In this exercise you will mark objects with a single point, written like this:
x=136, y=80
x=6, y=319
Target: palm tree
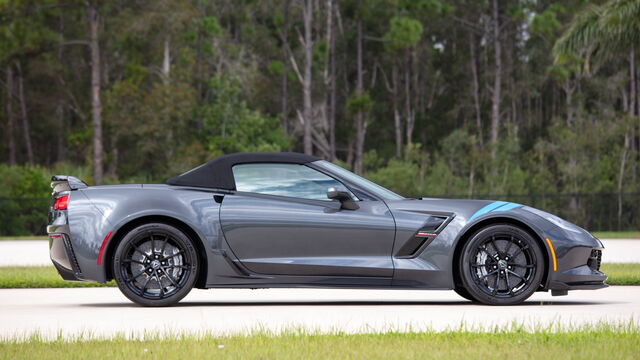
x=600, y=33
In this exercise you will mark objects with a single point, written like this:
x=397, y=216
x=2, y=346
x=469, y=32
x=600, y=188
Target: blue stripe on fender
x=488, y=208
x=508, y=206
x=494, y=206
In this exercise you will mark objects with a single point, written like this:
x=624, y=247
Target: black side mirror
x=344, y=197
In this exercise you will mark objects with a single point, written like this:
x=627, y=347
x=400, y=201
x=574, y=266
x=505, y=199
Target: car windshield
x=361, y=182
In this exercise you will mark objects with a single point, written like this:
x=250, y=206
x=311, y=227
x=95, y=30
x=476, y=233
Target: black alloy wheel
x=501, y=265
x=155, y=265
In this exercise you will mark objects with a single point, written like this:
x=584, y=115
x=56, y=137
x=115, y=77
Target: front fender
x=565, y=252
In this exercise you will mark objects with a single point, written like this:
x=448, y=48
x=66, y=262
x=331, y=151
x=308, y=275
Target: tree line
x=437, y=97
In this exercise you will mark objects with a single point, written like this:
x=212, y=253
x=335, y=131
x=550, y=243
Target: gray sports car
x=260, y=220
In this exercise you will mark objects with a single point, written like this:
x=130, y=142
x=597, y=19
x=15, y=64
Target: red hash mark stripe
x=425, y=234
x=104, y=243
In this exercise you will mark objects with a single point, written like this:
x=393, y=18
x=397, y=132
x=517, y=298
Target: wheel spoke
x=487, y=275
x=144, y=288
x=140, y=251
x=133, y=261
x=495, y=286
x=161, y=294
x=131, y=279
x=493, y=243
x=478, y=265
x=170, y=277
x=164, y=244
x=516, y=275
x=506, y=251
x=520, y=249
x=184, y=267
x=530, y=266
x=506, y=277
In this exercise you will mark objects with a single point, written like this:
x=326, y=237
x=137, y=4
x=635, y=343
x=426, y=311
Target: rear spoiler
x=60, y=183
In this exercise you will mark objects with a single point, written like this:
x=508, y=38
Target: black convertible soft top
x=217, y=174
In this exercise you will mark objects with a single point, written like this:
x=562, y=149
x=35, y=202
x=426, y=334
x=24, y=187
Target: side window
x=291, y=180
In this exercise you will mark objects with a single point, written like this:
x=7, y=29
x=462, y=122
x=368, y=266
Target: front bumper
x=581, y=271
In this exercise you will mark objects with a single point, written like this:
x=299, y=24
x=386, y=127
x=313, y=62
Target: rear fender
x=118, y=207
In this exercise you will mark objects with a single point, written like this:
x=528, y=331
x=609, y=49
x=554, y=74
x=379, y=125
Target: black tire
x=501, y=265
x=465, y=294
x=155, y=265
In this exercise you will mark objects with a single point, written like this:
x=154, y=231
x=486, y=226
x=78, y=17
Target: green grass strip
x=38, y=277
x=27, y=237
x=622, y=274
x=617, y=234
x=47, y=277
x=598, y=342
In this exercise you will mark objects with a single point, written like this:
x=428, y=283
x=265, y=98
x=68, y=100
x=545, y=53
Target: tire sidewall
x=178, y=236
x=465, y=268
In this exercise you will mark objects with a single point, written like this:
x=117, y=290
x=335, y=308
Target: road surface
x=105, y=312
x=36, y=252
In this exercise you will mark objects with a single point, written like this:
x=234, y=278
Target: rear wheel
x=501, y=265
x=155, y=265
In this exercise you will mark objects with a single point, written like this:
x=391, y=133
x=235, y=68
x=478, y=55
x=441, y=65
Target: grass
x=38, y=277
x=596, y=342
x=617, y=234
x=26, y=237
x=622, y=274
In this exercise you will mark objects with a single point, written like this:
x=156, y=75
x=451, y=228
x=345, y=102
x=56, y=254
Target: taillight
x=61, y=202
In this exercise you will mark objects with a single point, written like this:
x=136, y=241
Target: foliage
x=599, y=341
x=403, y=33
x=23, y=190
x=602, y=31
x=182, y=82
x=622, y=274
x=30, y=277
x=230, y=126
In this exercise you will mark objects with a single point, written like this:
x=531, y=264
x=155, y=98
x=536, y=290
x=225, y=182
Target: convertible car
x=262, y=220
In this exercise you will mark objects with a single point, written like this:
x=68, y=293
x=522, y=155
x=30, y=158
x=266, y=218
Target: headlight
x=565, y=225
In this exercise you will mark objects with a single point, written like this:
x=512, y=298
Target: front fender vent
x=423, y=237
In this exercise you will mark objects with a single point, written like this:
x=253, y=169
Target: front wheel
x=155, y=265
x=501, y=265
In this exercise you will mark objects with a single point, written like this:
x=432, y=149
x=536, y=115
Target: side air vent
x=413, y=245
x=423, y=237
x=433, y=223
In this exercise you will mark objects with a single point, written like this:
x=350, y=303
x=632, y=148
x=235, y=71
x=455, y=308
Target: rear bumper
x=63, y=257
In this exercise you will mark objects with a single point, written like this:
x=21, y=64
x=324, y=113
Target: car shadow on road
x=320, y=303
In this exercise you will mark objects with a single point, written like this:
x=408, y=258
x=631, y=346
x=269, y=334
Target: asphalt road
x=105, y=312
x=36, y=252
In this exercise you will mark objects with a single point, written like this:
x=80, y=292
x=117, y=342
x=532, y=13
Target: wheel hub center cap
x=502, y=264
x=155, y=264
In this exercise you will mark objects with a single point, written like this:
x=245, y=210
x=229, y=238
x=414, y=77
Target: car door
x=281, y=222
